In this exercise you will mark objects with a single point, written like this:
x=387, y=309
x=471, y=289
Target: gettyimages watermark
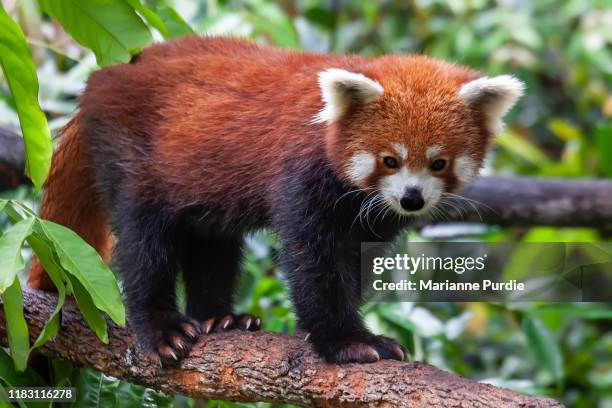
x=482, y=271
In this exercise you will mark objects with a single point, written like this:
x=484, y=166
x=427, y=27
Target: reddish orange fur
x=258, y=102
x=70, y=199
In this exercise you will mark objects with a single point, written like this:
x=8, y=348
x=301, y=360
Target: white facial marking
x=401, y=150
x=361, y=166
x=340, y=88
x=494, y=95
x=393, y=187
x=433, y=151
x=465, y=168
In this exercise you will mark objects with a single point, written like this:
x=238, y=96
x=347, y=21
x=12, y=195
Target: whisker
x=455, y=206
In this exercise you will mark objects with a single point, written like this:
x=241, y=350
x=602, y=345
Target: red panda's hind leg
x=210, y=267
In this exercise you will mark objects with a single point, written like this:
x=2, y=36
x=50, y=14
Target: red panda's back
x=228, y=111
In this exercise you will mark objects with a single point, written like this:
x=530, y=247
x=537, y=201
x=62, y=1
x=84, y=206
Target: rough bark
x=245, y=366
x=530, y=201
x=12, y=160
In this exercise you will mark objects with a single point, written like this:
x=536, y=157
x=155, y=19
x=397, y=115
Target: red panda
x=201, y=140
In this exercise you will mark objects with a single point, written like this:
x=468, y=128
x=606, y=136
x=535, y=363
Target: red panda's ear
x=494, y=96
x=341, y=89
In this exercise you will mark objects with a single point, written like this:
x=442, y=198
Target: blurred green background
x=562, y=127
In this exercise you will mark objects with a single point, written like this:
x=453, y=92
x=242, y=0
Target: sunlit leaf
x=110, y=28
x=522, y=148
x=21, y=78
x=565, y=130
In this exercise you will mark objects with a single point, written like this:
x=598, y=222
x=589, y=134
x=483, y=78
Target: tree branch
x=516, y=201
x=245, y=366
x=507, y=201
x=12, y=160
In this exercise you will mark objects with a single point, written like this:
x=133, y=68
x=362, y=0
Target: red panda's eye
x=438, y=165
x=391, y=162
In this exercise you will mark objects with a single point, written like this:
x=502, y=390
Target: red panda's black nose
x=412, y=200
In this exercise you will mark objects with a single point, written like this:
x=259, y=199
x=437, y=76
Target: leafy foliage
x=66, y=257
x=21, y=77
x=111, y=28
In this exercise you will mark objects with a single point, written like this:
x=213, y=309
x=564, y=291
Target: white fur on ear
x=495, y=96
x=340, y=89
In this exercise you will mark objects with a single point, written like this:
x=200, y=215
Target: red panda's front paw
x=170, y=337
x=390, y=349
x=230, y=322
x=354, y=353
x=366, y=351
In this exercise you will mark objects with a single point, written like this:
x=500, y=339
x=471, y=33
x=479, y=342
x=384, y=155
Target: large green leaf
x=17, y=329
x=20, y=75
x=544, y=346
x=110, y=28
x=11, y=242
x=84, y=263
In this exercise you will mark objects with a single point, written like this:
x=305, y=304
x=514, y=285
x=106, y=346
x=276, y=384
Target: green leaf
x=3, y=204
x=522, y=148
x=175, y=24
x=603, y=143
x=95, y=390
x=149, y=15
x=45, y=255
x=12, y=378
x=270, y=20
x=544, y=346
x=165, y=19
x=92, y=315
x=565, y=130
x=18, y=338
x=13, y=215
x=110, y=28
x=11, y=242
x=583, y=310
x=20, y=75
x=62, y=370
x=83, y=262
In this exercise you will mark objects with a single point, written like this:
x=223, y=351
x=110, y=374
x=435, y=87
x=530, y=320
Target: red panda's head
x=410, y=129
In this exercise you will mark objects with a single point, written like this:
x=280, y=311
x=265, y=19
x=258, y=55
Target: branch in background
x=517, y=201
x=507, y=201
x=247, y=366
x=12, y=160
